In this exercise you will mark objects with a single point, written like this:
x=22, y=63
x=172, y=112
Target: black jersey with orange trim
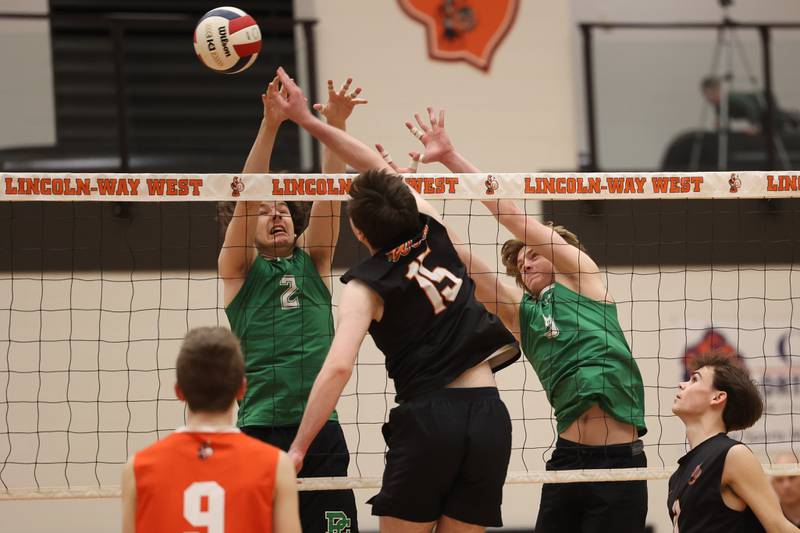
x=695, y=501
x=433, y=328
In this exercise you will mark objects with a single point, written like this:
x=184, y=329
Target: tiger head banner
x=463, y=30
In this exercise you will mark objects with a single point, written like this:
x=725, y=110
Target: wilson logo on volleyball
x=463, y=30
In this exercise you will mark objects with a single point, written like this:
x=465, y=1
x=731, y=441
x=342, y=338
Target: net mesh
x=98, y=289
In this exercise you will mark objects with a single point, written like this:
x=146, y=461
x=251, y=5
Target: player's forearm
x=458, y=163
x=777, y=523
x=322, y=401
x=128, y=498
x=322, y=234
x=785, y=526
x=239, y=238
x=240, y=234
x=323, y=225
x=513, y=218
x=331, y=163
x=260, y=153
x=349, y=149
x=768, y=511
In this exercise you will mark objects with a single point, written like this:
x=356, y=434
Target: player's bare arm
x=744, y=477
x=239, y=250
x=355, y=153
x=322, y=234
x=358, y=306
x=499, y=298
x=285, y=507
x=128, y=498
x=575, y=268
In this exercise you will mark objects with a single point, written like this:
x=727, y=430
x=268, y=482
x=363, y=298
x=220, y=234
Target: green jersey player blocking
x=278, y=302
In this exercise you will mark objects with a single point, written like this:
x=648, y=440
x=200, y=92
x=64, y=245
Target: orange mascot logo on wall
x=463, y=30
x=712, y=343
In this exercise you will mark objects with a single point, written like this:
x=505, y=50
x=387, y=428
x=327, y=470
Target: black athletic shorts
x=448, y=455
x=320, y=510
x=602, y=507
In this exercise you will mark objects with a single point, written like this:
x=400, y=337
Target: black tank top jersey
x=432, y=328
x=695, y=498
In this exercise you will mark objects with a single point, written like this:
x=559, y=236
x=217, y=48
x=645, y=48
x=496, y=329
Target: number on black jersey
x=427, y=280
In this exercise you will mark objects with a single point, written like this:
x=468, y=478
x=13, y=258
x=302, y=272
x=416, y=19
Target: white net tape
x=534, y=186
x=338, y=483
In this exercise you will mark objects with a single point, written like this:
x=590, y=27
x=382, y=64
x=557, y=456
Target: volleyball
x=227, y=40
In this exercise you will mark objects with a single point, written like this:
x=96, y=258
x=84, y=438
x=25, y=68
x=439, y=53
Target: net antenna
x=727, y=48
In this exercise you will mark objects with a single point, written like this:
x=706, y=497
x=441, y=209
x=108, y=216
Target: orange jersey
x=205, y=482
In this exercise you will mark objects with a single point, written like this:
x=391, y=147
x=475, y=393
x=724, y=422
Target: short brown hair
x=383, y=208
x=744, y=405
x=510, y=250
x=210, y=369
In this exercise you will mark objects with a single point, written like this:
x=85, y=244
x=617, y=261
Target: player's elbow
x=340, y=370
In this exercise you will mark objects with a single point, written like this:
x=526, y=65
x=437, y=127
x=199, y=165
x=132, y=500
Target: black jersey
x=432, y=328
x=695, y=497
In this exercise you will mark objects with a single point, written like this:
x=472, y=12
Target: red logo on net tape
x=237, y=186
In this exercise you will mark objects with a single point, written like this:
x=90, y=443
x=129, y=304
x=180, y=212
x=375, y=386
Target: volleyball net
x=101, y=276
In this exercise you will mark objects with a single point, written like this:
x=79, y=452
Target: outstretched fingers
x=345, y=87
x=272, y=88
x=354, y=99
x=411, y=169
x=416, y=132
x=424, y=127
x=431, y=116
x=387, y=158
x=287, y=82
x=415, y=159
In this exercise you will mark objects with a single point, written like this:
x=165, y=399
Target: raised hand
x=291, y=100
x=434, y=137
x=411, y=169
x=340, y=104
x=272, y=111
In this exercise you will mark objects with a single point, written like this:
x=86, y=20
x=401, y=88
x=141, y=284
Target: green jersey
x=578, y=350
x=282, y=316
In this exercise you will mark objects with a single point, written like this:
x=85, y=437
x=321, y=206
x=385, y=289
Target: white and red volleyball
x=227, y=40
